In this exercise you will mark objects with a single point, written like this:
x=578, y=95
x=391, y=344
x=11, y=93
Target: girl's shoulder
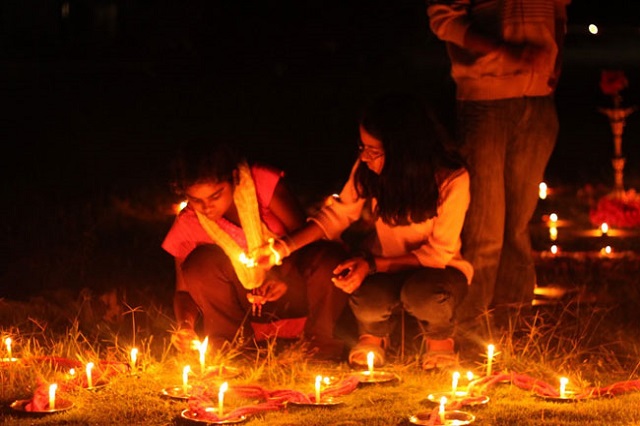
x=446, y=176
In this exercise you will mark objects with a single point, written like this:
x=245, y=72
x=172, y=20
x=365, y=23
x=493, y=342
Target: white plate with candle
x=567, y=396
x=460, y=395
x=177, y=392
x=21, y=406
x=451, y=418
x=210, y=420
x=375, y=376
x=327, y=402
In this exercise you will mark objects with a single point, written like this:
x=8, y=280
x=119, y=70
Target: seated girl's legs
x=374, y=302
x=432, y=296
x=325, y=301
x=214, y=286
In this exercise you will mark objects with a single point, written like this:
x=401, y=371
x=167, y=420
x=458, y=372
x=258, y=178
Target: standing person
x=233, y=208
x=417, y=194
x=505, y=61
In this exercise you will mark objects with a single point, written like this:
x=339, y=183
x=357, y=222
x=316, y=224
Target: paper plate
x=176, y=392
x=460, y=395
x=451, y=418
x=377, y=377
x=568, y=397
x=20, y=407
x=193, y=417
x=224, y=373
x=324, y=402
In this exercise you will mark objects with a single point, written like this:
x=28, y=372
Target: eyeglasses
x=368, y=153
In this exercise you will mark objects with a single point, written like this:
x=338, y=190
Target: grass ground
x=589, y=335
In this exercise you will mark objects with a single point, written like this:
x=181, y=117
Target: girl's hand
x=348, y=275
x=270, y=291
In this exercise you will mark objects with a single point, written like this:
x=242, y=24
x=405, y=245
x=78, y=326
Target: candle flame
x=318, y=384
x=454, y=383
x=134, y=357
x=246, y=261
x=202, y=348
x=470, y=375
x=89, y=379
x=223, y=388
x=52, y=396
x=563, y=386
x=604, y=228
x=370, y=361
x=553, y=218
x=542, y=190
x=441, y=410
x=554, y=249
x=7, y=343
x=185, y=378
x=276, y=255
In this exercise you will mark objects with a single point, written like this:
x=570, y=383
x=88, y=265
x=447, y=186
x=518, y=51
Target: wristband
x=287, y=244
x=368, y=257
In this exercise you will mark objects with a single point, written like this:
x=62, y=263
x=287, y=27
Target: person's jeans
x=506, y=144
x=214, y=286
x=429, y=294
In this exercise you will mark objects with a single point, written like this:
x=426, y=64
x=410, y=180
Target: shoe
x=369, y=343
x=440, y=354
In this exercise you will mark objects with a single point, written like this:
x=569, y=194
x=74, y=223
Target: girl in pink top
x=231, y=206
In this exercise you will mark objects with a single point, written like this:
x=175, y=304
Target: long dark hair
x=199, y=160
x=415, y=146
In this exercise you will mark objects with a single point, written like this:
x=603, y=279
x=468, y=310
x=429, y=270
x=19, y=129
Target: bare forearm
x=395, y=264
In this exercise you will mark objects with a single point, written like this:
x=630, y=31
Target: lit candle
x=604, y=228
x=318, y=383
x=553, y=218
x=89, y=380
x=454, y=383
x=553, y=233
x=134, y=358
x=276, y=256
x=469, y=375
x=605, y=251
x=563, y=386
x=202, y=348
x=223, y=389
x=370, y=360
x=185, y=379
x=52, y=396
x=490, y=350
x=443, y=402
x=7, y=343
x=554, y=249
x=542, y=190
x=72, y=372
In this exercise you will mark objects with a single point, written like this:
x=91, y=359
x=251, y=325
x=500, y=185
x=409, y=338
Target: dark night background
x=97, y=93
